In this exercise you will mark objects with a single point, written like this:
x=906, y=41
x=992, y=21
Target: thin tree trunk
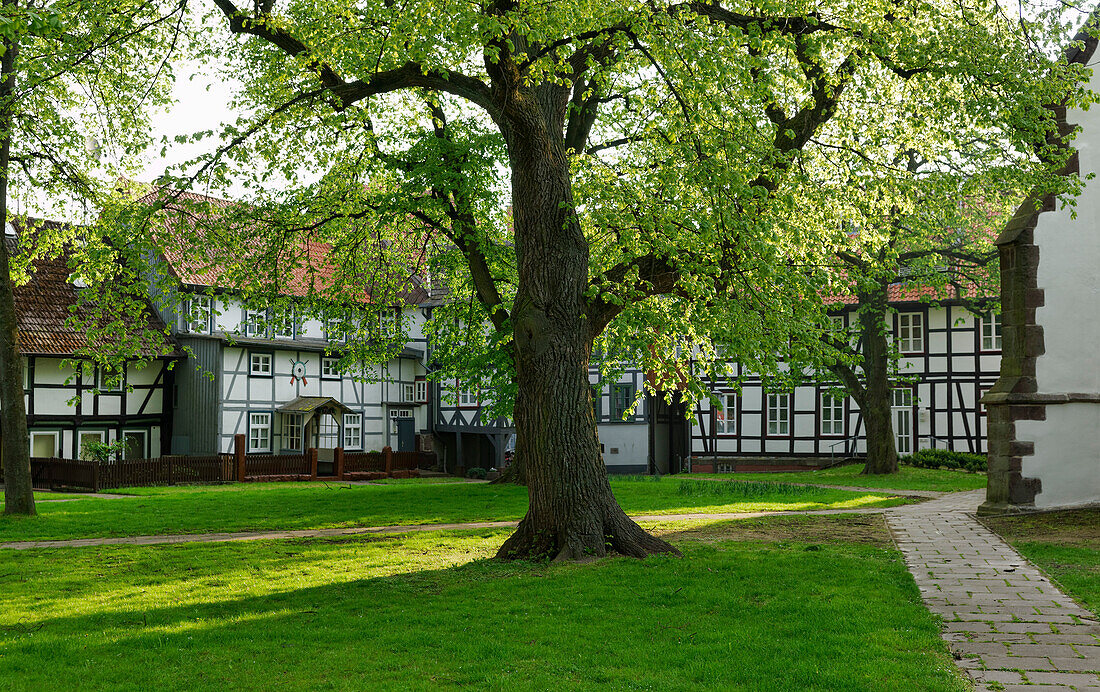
x=18, y=494
x=882, y=456
x=572, y=514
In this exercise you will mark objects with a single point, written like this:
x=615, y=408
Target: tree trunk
x=572, y=514
x=15, y=452
x=882, y=457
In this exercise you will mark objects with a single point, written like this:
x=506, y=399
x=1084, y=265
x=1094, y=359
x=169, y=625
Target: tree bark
x=15, y=445
x=572, y=514
x=882, y=456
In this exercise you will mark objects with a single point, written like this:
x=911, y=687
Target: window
x=259, y=432
x=353, y=430
x=408, y=393
x=467, y=398
x=991, y=331
x=283, y=323
x=108, y=381
x=259, y=364
x=401, y=413
x=44, y=444
x=197, y=315
x=622, y=396
x=85, y=438
x=779, y=414
x=330, y=368
x=832, y=415
x=421, y=390
x=292, y=431
x=136, y=441
x=725, y=417
x=255, y=323
x=911, y=332
x=902, y=397
x=389, y=323
x=335, y=329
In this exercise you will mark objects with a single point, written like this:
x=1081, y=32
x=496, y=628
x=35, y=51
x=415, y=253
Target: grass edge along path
x=430, y=611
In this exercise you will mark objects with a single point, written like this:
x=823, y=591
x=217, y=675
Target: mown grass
x=288, y=506
x=907, y=478
x=1065, y=545
x=429, y=611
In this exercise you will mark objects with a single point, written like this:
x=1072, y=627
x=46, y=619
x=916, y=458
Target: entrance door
x=406, y=435
x=903, y=420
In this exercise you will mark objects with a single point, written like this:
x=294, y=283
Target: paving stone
x=1034, y=688
x=1076, y=679
x=1076, y=664
x=1021, y=663
x=1001, y=676
x=1044, y=650
x=999, y=611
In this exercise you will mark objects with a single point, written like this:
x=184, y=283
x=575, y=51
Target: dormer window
x=197, y=314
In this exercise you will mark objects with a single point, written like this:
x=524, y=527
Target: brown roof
x=46, y=302
x=304, y=268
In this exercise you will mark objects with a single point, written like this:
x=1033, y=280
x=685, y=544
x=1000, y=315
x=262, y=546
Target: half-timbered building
x=279, y=375
x=69, y=400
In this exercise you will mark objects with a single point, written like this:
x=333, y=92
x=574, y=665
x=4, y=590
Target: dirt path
x=360, y=530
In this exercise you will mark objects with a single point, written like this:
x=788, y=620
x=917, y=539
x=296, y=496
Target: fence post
x=95, y=476
x=338, y=462
x=387, y=454
x=238, y=455
x=312, y=463
x=171, y=476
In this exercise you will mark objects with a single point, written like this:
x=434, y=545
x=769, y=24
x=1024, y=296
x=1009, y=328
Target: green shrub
x=945, y=459
x=476, y=472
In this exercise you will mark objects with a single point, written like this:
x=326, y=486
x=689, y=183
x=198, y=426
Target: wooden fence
x=276, y=465
x=220, y=468
x=102, y=475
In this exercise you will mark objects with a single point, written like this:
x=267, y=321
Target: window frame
x=839, y=405
x=768, y=419
x=189, y=317
x=617, y=414
x=102, y=385
x=358, y=426
x=420, y=394
x=285, y=318
x=997, y=335
x=80, y=440
x=334, y=371
x=729, y=405
x=267, y=428
x=252, y=372
x=464, y=397
x=146, y=442
x=913, y=348
x=259, y=329
x=408, y=393
x=294, y=422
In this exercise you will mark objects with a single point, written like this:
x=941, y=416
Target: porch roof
x=309, y=404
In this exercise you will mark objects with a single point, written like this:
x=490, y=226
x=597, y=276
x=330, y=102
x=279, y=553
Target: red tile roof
x=302, y=268
x=46, y=302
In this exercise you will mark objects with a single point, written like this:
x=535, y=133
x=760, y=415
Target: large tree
x=76, y=78
x=926, y=250
x=654, y=157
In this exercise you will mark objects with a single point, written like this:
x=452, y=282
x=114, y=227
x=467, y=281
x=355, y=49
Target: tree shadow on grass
x=299, y=614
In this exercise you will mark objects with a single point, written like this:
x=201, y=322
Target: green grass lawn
x=1065, y=545
x=429, y=611
x=907, y=478
x=287, y=506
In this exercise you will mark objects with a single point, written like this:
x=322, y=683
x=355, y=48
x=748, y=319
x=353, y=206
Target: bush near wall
x=945, y=459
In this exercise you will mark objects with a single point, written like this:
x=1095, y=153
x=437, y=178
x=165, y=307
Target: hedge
x=945, y=459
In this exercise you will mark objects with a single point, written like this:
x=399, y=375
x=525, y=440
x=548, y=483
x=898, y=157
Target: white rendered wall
x=1066, y=459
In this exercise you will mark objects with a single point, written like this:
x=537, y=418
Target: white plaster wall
x=632, y=441
x=1069, y=251
x=1067, y=454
